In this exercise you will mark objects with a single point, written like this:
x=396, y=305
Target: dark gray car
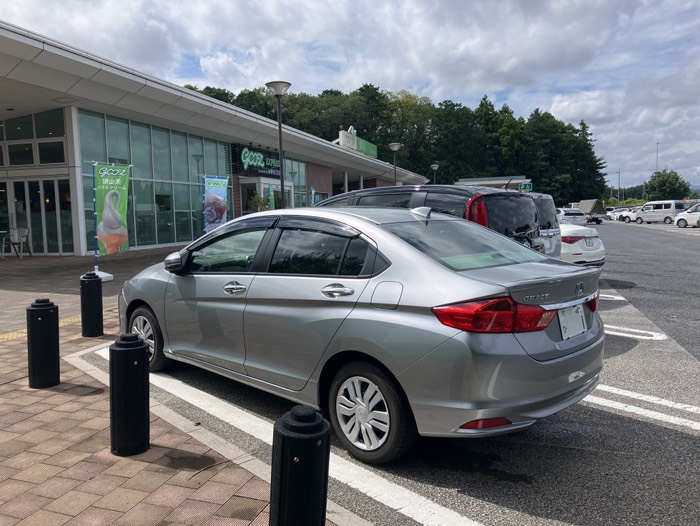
x=395, y=322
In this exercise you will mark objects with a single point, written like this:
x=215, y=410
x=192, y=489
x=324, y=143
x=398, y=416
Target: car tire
x=627, y=219
x=639, y=221
x=668, y=220
x=358, y=391
x=144, y=323
x=682, y=223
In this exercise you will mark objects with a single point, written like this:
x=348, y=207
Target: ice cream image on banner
x=111, y=231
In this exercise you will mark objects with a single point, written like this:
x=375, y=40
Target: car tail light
x=593, y=304
x=476, y=211
x=486, y=423
x=571, y=239
x=497, y=315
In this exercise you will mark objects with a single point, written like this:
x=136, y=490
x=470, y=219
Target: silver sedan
x=394, y=322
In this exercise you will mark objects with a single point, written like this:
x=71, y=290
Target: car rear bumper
x=457, y=387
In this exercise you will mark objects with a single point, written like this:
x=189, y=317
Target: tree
x=667, y=184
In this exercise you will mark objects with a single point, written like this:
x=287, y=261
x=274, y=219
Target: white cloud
x=629, y=68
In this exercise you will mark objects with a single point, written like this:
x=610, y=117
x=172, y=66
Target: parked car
x=549, y=225
x=581, y=245
x=690, y=217
x=628, y=215
x=575, y=216
x=394, y=322
x=615, y=212
x=508, y=212
x=659, y=211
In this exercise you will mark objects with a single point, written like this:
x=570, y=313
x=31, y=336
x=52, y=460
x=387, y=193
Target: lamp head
x=278, y=87
x=395, y=146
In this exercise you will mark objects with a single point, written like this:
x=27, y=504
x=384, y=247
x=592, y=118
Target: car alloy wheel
x=682, y=223
x=639, y=221
x=369, y=414
x=143, y=322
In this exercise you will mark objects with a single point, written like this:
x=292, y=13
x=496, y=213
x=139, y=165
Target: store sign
x=349, y=139
x=257, y=161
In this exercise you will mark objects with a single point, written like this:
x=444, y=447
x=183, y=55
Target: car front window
x=234, y=252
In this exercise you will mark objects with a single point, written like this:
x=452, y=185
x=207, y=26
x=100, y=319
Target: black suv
x=509, y=212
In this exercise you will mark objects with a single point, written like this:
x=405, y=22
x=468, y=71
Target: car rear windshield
x=461, y=245
x=511, y=214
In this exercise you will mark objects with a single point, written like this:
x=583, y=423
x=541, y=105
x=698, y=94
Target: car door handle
x=234, y=288
x=337, y=289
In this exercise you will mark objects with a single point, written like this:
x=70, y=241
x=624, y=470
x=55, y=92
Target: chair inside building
x=16, y=239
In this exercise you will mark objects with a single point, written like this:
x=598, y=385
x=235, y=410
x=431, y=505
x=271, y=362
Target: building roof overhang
x=38, y=74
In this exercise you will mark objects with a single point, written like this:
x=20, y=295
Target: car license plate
x=590, y=242
x=572, y=321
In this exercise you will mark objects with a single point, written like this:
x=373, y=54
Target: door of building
x=43, y=206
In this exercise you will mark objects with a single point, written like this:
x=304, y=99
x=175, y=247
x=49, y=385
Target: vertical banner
x=214, y=202
x=111, y=200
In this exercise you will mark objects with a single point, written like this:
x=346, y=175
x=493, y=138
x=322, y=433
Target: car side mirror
x=174, y=262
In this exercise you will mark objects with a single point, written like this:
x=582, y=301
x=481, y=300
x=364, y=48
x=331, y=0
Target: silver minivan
x=659, y=211
x=550, y=233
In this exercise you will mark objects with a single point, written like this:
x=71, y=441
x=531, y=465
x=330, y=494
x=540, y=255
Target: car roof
x=466, y=190
x=377, y=215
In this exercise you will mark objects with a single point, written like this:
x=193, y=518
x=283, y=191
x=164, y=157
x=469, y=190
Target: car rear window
x=398, y=200
x=511, y=214
x=461, y=245
x=546, y=213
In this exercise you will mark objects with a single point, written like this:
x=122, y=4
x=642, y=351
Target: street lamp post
x=618, y=187
x=395, y=147
x=278, y=88
x=657, y=157
x=434, y=166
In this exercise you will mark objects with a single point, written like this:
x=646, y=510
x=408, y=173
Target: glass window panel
x=89, y=211
x=19, y=128
x=210, y=158
x=92, y=140
x=179, y=156
x=49, y=124
x=51, y=219
x=183, y=216
x=197, y=196
x=51, y=153
x=20, y=205
x=224, y=153
x=141, y=151
x=2, y=131
x=35, y=222
x=4, y=208
x=20, y=154
x=145, y=213
x=2, y=156
x=196, y=152
x=118, y=141
x=65, y=216
x=161, y=154
x=164, y=213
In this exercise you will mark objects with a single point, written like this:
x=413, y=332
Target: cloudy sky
x=629, y=68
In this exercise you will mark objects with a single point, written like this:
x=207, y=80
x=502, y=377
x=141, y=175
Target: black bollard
x=42, y=344
x=91, y=304
x=128, y=395
x=301, y=451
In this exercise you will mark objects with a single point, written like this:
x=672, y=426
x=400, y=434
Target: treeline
x=466, y=143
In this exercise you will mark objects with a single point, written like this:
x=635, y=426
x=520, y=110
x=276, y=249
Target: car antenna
x=505, y=186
